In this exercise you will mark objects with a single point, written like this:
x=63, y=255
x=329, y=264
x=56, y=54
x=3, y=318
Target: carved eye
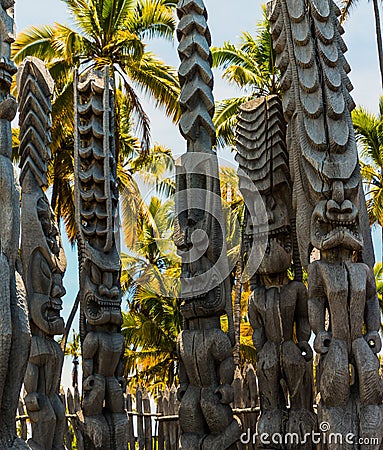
x=45, y=269
x=95, y=274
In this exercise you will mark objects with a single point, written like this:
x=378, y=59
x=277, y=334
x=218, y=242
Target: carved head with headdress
x=96, y=200
x=264, y=172
x=42, y=253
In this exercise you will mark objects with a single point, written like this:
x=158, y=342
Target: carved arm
x=317, y=309
x=256, y=322
x=182, y=374
x=223, y=353
x=89, y=349
x=302, y=321
x=31, y=382
x=372, y=314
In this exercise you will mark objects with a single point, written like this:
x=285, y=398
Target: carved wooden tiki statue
x=14, y=330
x=103, y=413
x=205, y=351
x=43, y=259
x=331, y=216
x=277, y=305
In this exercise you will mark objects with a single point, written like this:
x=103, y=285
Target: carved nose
x=334, y=208
x=58, y=291
x=112, y=293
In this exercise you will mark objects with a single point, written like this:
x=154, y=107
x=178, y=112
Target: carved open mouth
x=95, y=306
x=281, y=231
x=51, y=310
x=334, y=225
x=201, y=297
x=186, y=298
x=281, y=235
x=338, y=232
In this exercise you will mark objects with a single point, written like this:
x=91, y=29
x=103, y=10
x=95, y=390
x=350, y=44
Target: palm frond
x=159, y=82
x=154, y=19
x=34, y=41
x=225, y=120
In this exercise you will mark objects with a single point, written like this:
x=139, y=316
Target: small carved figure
x=277, y=304
x=206, y=367
x=103, y=415
x=43, y=260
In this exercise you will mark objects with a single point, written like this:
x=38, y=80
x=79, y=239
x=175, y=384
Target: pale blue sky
x=227, y=19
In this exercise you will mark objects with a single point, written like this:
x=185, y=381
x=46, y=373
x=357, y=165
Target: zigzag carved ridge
x=314, y=78
x=95, y=174
x=195, y=74
x=316, y=103
x=261, y=146
x=35, y=87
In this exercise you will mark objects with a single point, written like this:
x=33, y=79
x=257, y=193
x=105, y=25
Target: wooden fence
x=153, y=424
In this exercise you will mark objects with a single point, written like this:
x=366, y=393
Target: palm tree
x=369, y=134
x=249, y=65
x=113, y=33
x=149, y=280
x=347, y=5
x=233, y=206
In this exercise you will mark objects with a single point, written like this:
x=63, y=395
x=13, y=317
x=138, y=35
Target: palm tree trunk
x=378, y=32
x=237, y=312
x=69, y=323
x=75, y=373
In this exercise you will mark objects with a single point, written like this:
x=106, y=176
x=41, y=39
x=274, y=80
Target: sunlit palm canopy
x=113, y=33
x=369, y=134
x=149, y=278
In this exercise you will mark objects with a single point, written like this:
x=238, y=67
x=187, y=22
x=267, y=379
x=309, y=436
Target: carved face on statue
x=277, y=256
x=47, y=267
x=45, y=302
x=335, y=223
x=51, y=232
x=102, y=298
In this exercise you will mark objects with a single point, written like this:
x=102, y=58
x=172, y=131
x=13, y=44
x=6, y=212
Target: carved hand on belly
x=322, y=342
x=225, y=393
x=32, y=402
x=374, y=341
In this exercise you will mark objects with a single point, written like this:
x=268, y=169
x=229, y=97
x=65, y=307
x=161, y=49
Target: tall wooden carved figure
x=43, y=260
x=103, y=414
x=331, y=217
x=205, y=351
x=277, y=306
x=14, y=330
